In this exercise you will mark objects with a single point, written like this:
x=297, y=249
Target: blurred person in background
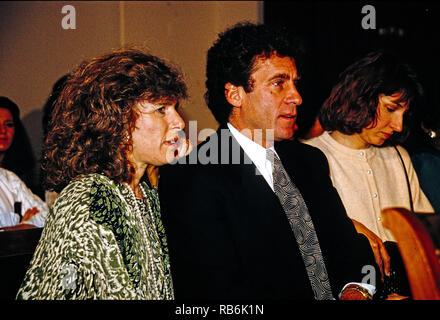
x=18, y=203
x=423, y=145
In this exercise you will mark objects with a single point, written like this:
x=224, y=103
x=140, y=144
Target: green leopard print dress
x=92, y=246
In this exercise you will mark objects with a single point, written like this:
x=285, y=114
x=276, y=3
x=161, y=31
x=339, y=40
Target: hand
x=355, y=291
x=29, y=214
x=380, y=253
x=352, y=295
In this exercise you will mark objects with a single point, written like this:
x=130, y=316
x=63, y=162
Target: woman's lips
x=172, y=141
x=386, y=135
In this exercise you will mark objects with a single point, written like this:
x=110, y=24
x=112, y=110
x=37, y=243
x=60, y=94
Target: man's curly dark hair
x=352, y=104
x=233, y=56
x=94, y=116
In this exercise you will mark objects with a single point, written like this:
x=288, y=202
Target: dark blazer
x=228, y=234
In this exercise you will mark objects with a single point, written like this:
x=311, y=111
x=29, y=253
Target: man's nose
x=293, y=95
x=2, y=129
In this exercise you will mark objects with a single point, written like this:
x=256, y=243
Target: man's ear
x=234, y=94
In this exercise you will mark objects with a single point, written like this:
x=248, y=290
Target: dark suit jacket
x=228, y=234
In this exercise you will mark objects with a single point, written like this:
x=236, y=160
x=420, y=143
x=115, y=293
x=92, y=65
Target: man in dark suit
x=230, y=235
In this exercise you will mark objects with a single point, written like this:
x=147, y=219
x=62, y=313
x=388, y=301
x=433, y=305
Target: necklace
x=144, y=230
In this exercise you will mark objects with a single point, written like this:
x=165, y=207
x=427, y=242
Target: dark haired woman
x=104, y=239
x=16, y=154
x=364, y=110
x=18, y=204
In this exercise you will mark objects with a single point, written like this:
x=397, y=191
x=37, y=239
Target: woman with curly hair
x=363, y=118
x=115, y=118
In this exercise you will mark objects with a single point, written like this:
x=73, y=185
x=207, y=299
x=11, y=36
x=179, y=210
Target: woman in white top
x=15, y=148
x=364, y=110
x=18, y=204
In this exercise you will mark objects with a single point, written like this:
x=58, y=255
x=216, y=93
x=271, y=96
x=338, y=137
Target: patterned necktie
x=303, y=229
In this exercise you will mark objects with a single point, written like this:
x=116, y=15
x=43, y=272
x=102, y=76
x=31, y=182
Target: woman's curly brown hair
x=93, y=118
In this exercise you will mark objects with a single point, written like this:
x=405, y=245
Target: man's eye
x=278, y=83
x=161, y=110
x=391, y=109
x=9, y=124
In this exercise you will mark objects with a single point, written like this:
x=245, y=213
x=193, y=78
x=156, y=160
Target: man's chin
x=285, y=135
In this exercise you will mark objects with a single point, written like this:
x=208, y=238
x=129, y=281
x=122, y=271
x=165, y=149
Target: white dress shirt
x=256, y=153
